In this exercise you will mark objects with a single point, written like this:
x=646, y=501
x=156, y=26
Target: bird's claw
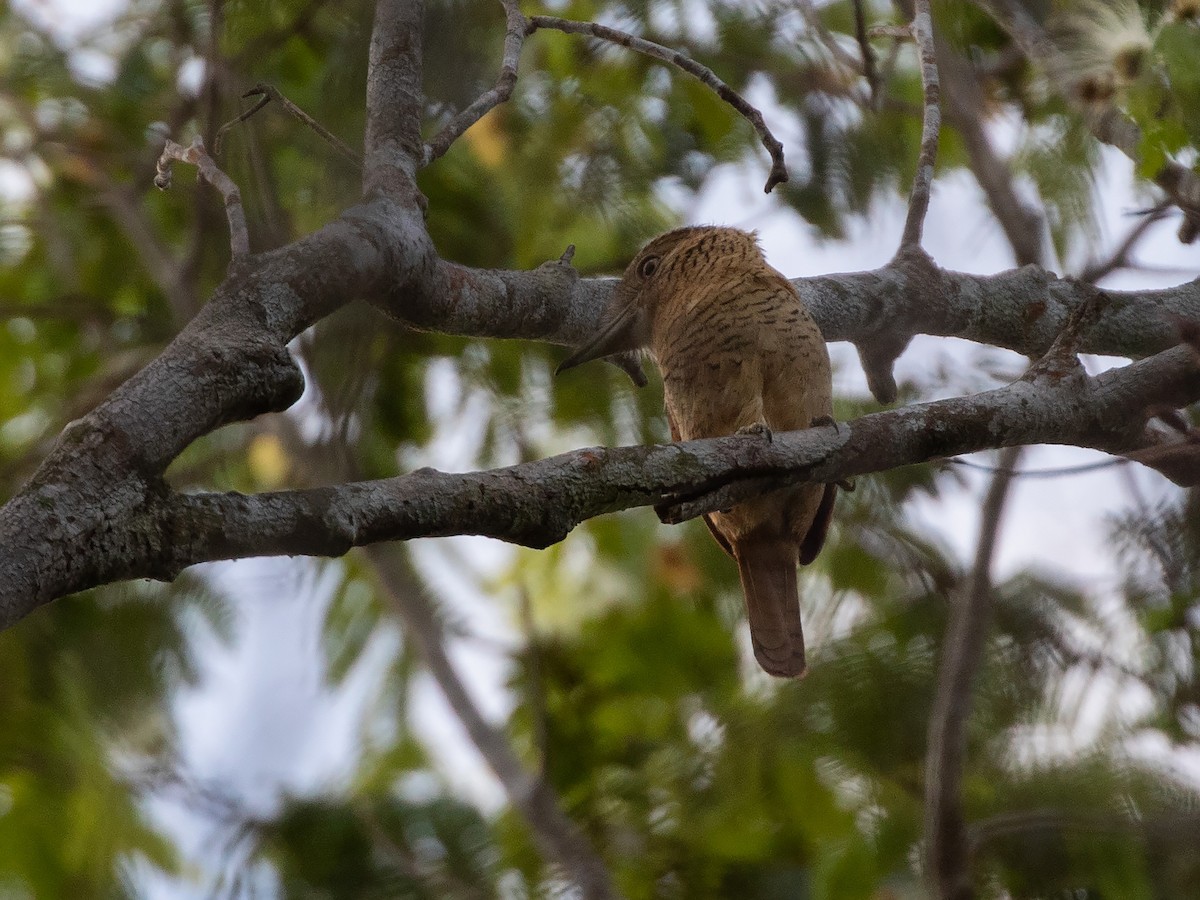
x=759, y=428
x=825, y=420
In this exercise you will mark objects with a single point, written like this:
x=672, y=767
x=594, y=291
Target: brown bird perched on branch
x=738, y=352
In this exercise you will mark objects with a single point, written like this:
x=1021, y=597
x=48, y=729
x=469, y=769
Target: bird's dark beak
x=617, y=336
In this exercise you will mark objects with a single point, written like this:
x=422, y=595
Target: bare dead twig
x=195, y=154
x=946, y=836
x=778, y=172
x=918, y=204
x=515, y=31
x=219, y=140
x=266, y=93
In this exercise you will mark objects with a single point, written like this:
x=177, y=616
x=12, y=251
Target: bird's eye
x=648, y=266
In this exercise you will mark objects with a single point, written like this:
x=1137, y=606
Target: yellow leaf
x=488, y=141
x=268, y=460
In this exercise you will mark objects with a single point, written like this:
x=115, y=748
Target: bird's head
x=660, y=271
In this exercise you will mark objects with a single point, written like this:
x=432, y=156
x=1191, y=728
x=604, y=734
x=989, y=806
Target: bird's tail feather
x=768, y=572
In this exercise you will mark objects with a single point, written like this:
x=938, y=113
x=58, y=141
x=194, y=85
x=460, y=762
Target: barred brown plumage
x=738, y=351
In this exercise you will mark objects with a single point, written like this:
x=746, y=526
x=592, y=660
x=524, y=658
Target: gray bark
x=98, y=509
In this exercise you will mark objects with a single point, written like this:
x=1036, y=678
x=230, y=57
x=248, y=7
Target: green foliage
x=436, y=849
x=81, y=687
x=691, y=774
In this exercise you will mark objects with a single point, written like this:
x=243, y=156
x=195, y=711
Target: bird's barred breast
x=742, y=349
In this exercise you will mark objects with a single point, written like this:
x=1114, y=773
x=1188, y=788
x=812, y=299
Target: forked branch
x=515, y=31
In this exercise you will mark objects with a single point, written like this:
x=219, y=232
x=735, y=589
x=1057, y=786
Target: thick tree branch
x=1020, y=309
x=154, y=533
x=229, y=363
x=395, y=100
x=98, y=509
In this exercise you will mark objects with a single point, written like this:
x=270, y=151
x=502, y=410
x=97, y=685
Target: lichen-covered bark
x=98, y=509
x=126, y=526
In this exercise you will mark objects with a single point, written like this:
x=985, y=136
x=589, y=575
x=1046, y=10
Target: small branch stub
x=195, y=154
x=1062, y=359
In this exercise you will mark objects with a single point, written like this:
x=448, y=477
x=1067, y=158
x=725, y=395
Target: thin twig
x=267, y=93
x=219, y=140
x=515, y=31
x=1181, y=826
x=778, y=172
x=947, y=842
x=918, y=204
x=868, y=55
x=239, y=235
x=1042, y=473
x=1119, y=258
